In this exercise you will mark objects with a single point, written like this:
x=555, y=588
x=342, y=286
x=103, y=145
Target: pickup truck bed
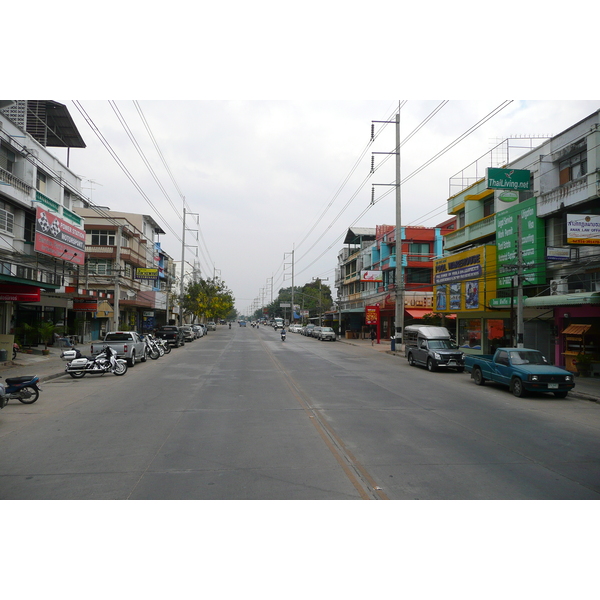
x=128, y=345
x=521, y=369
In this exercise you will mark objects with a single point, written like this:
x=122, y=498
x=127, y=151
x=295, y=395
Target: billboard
x=583, y=229
x=57, y=238
x=372, y=314
x=371, y=275
x=533, y=244
x=508, y=179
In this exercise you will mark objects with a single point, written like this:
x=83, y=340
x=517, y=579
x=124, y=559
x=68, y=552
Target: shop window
x=469, y=333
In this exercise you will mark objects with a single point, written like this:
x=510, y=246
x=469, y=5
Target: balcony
x=469, y=233
x=15, y=182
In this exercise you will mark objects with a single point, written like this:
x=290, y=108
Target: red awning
x=418, y=313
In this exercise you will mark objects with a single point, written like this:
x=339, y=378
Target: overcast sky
x=269, y=177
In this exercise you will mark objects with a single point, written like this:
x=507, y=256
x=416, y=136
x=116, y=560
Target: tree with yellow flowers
x=207, y=298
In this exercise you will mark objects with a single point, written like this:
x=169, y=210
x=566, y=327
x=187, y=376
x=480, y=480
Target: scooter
x=162, y=345
x=283, y=335
x=152, y=349
x=25, y=389
x=105, y=362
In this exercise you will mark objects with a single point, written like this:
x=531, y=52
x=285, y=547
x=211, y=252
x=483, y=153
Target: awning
x=418, y=313
x=563, y=300
x=353, y=310
x=577, y=329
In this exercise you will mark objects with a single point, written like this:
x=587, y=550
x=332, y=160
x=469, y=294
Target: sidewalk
x=587, y=388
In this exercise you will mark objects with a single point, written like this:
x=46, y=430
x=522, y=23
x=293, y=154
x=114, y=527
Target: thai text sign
x=508, y=179
x=372, y=314
x=583, y=229
x=146, y=273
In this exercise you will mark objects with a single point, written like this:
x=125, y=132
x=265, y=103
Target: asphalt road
x=241, y=415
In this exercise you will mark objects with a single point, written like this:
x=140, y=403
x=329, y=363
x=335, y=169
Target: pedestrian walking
x=373, y=336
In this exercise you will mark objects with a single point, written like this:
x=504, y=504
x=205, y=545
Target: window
x=7, y=221
x=99, y=266
x=67, y=199
x=573, y=167
x=7, y=159
x=40, y=182
x=488, y=206
x=418, y=275
x=460, y=218
x=419, y=252
x=102, y=238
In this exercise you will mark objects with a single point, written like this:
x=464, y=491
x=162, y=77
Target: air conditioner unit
x=558, y=286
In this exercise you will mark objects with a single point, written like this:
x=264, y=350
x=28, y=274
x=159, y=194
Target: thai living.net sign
x=508, y=179
x=57, y=238
x=533, y=244
x=583, y=229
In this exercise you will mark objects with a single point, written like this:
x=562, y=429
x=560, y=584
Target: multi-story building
x=124, y=259
x=41, y=236
x=545, y=237
x=366, y=274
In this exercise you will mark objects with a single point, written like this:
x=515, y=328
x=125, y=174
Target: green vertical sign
x=533, y=244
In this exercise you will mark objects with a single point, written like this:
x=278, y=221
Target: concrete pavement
x=52, y=366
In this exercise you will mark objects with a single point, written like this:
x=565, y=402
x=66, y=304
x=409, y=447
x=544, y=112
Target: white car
x=295, y=328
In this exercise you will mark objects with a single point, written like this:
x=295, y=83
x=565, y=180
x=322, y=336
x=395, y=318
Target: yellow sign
x=465, y=281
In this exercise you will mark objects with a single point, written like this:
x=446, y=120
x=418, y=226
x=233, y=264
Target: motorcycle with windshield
x=105, y=362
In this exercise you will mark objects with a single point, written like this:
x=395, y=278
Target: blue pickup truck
x=521, y=369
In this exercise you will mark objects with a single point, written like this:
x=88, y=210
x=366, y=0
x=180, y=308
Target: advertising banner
x=508, y=179
x=57, y=238
x=371, y=275
x=146, y=274
x=533, y=244
x=583, y=229
x=85, y=304
x=372, y=315
x=16, y=292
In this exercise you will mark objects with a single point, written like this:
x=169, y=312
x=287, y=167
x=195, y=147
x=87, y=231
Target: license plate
x=553, y=386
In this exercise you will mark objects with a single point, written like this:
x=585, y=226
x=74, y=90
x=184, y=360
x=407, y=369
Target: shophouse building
x=124, y=260
x=42, y=244
x=545, y=237
x=366, y=275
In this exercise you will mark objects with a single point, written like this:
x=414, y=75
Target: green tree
x=208, y=298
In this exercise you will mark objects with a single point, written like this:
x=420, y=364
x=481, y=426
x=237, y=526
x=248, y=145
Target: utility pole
x=520, y=326
x=400, y=290
x=284, y=255
x=181, y=286
x=116, y=308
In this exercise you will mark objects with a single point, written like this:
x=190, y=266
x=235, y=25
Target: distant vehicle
x=522, y=370
x=315, y=331
x=295, y=328
x=212, y=326
x=242, y=323
x=277, y=323
x=326, y=333
x=308, y=329
x=432, y=347
x=198, y=330
x=188, y=333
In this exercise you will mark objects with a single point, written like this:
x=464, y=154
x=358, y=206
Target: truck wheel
x=144, y=357
x=131, y=361
x=517, y=388
x=411, y=360
x=561, y=394
x=431, y=365
x=478, y=377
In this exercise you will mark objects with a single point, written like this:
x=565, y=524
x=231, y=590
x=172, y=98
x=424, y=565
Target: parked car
x=172, y=334
x=198, y=331
x=188, y=333
x=212, y=326
x=327, y=333
x=432, y=347
x=522, y=370
x=315, y=331
x=127, y=344
x=308, y=329
x=295, y=328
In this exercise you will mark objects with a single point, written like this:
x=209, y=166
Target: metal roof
x=356, y=234
x=563, y=299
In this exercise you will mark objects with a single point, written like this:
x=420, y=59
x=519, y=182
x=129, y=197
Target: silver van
x=432, y=347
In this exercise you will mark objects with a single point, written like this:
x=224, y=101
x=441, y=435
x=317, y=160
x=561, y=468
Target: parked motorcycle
x=152, y=348
x=25, y=389
x=162, y=344
x=104, y=362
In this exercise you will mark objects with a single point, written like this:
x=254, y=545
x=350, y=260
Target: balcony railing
x=14, y=181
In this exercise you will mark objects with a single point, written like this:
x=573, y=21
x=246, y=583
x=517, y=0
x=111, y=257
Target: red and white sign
x=14, y=292
x=371, y=275
x=57, y=238
x=372, y=315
